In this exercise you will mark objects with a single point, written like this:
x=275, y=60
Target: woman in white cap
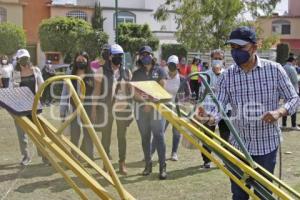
x=30, y=77
x=173, y=82
x=112, y=91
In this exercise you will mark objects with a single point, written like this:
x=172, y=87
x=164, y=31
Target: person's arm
x=287, y=92
x=96, y=93
x=213, y=116
x=294, y=77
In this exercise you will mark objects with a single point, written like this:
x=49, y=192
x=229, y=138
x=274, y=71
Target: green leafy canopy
x=12, y=38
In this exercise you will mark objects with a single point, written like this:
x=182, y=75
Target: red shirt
x=184, y=70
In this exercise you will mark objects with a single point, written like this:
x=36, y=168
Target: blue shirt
x=156, y=74
x=251, y=95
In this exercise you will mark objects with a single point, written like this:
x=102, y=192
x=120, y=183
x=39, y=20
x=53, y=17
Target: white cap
x=116, y=49
x=22, y=53
x=173, y=59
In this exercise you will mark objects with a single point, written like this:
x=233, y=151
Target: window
x=282, y=27
x=77, y=14
x=3, y=14
x=124, y=17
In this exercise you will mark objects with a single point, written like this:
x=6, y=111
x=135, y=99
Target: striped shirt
x=251, y=95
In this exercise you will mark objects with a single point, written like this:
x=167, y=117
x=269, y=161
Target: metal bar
x=71, y=164
x=87, y=123
x=174, y=119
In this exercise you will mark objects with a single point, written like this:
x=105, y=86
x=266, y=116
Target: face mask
x=4, y=62
x=117, y=60
x=215, y=63
x=81, y=65
x=240, y=56
x=147, y=60
x=172, y=67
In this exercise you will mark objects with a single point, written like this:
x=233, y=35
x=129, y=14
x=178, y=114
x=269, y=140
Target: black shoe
x=148, y=169
x=163, y=172
x=205, y=165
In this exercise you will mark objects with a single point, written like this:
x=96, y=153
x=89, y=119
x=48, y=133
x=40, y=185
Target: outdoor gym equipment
x=56, y=147
x=238, y=165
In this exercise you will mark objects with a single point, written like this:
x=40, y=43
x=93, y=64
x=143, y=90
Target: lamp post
x=116, y=30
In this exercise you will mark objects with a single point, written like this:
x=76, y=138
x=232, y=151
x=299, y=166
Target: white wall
x=124, y=3
x=142, y=17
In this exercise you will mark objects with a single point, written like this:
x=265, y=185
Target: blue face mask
x=240, y=56
x=146, y=60
x=215, y=63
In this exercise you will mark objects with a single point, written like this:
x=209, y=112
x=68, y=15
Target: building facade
x=135, y=11
x=28, y=14
x=11, y=11
x=286, y=26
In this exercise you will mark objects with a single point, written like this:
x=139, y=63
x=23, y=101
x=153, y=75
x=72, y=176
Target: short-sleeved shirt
x=155, y=74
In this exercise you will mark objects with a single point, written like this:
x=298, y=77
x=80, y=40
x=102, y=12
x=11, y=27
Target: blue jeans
x=267, y=161
x=148, y=125
x=175, y=140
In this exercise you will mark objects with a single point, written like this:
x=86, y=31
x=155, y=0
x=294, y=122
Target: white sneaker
x=174, y=157
x=295, y=128
x=25, y=161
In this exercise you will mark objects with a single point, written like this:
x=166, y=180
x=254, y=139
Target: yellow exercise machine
x=239, y=166
x=56, y=147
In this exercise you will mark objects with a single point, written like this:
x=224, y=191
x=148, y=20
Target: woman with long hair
x=80, y=67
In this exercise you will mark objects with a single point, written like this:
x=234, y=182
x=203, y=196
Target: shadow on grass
x=59, y=184
x=26, y=172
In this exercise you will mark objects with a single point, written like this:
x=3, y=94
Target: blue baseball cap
x=242, y=36
x=146, y=49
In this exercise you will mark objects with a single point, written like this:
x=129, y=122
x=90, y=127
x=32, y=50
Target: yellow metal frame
x=231, y=154
x=56, y=147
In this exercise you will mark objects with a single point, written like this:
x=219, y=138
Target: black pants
x=194, y=84
x=224, y=133
x=5, y=82
x=293, y=120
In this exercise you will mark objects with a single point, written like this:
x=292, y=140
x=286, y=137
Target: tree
x=12, y=38
x=132, y=36
x=70, y=35
x=63, y=34
x=206, y=24
x=93, y=43
x=173, y=49
x=97, y=18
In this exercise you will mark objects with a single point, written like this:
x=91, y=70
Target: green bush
x=282, y=53
x=69, y=35
x=133, y=36
x=173, y=49
x=12, y=38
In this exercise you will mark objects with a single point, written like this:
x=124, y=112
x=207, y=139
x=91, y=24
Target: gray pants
x=87, y=145
x=23, y=141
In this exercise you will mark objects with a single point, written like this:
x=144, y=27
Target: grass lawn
x=185, y=179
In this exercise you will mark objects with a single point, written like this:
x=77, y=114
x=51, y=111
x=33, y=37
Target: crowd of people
x=250, y=83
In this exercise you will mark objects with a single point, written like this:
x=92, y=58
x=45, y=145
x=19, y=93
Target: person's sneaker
x=174, y=156
x=25, y=161
x=205, y=166
x=295, y=128
x=148, y=169
x=163, y=172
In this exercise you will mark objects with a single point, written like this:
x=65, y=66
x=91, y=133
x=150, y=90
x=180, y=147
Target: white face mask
x=215, y=63
x=4, y=62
